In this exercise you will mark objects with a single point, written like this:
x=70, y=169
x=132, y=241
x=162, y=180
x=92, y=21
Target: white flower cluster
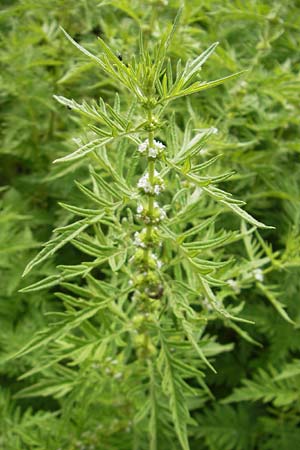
x=234, y=285
x=258, y=275
x=158, y=261
x=154, y=151
x=138, y=241
x=162, y=212
x=147, y=187
x=209, y=306
x=159, y=213
x=139, y=209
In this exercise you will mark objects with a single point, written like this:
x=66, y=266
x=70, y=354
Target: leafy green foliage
x=202, y=351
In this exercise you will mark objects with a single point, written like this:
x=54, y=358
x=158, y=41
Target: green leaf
x=276, y=303
x=154, y=412
x=226, y=428
x=290, y=370
x=201, y=86
x=61, y=329
x=47, y=388
x=94, y=197
x=80, y=211
x=267, y=388
x=231, y=204
x=85, y=149
x=83, y=50
x=193, y=147
x=215, y=303
x=90, y=247
x=172, y=387
x=243, y=333
x=194, y=66
x=45, y=283
x=209, y=243
x=64, y=235
x=190, y=335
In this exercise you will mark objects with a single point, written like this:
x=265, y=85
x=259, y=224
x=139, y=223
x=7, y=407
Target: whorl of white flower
x=149, y=188
x=163, y=214
x=144, y=183
x=138, y=241
x=234, y=285
x=152, y=152
x=158, y=188
x=258, y=275
x=159, y=145
x=158, y=261
x=143, y=146
x=159, y=264
x=139, y=209
x=160, y=213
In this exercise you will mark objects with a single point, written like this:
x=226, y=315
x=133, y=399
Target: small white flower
x=214, y=130
x=143, y=146
x=159, y=263
x=157, y=189
x=144, y=183
x=152, y=153
x=147, y=187
x=233, y=284
x=159, y=145
x=118, y=375
x=139, y=209
x=258, y=275
x=163, y=214
x=137, y=240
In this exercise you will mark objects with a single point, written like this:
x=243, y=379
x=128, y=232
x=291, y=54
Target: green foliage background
x=255, y=403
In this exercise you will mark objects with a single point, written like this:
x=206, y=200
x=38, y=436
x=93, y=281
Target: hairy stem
x=151, y=168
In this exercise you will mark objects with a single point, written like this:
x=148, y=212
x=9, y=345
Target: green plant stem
x=151, y=168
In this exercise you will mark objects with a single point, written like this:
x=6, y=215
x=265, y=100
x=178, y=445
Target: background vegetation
x=255, y=402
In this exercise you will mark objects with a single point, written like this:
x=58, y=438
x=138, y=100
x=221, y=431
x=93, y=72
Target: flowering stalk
x=147, y=282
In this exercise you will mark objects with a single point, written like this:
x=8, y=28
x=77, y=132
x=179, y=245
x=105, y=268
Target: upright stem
x=151, y=168
x=148, y=280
